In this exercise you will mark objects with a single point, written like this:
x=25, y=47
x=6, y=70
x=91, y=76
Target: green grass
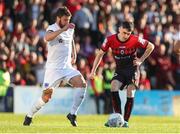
x=10, y=123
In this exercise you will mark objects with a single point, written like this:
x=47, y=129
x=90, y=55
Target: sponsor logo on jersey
x=124, y=57
x=116, y=57
x=115, y=74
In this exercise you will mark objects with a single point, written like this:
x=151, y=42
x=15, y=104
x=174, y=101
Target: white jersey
x=59, y=49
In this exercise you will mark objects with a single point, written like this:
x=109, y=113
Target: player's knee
x=81, y=85
x=115, y=85
x=131, y=89
x=45, y=98
x=84, y=85
x=114, y=88
x=132, y=86
x=131, y=93
x=47, y=95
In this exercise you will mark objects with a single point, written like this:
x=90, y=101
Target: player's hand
x=70, y=25
x=137, y=62
x=91, y=75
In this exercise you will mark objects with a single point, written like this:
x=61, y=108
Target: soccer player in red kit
x=124, y=46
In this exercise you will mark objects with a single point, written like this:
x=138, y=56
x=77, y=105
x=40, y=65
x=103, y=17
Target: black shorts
x=127, y=76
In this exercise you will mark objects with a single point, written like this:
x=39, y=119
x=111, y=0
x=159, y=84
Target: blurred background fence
x=19, y=100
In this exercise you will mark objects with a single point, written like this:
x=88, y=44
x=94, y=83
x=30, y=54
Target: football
x=115, y=120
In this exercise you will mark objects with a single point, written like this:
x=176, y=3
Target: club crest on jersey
x=60, y=40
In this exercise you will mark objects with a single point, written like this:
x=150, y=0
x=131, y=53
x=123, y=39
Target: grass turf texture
x=10, y=123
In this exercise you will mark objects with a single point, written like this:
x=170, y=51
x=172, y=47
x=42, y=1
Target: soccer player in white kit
x=61, y=56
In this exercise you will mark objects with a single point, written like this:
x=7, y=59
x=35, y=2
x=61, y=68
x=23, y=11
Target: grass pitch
x=12, y=123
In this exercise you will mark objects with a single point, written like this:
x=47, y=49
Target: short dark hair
x=63, y=11
x=128, y=25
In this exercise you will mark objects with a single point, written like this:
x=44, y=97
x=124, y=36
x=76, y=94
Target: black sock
x=128, y=108
x=116, y=102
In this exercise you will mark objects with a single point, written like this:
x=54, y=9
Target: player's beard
x=60, y=24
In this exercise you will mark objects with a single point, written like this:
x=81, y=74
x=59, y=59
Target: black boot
x=27, y=121
x=72, y=119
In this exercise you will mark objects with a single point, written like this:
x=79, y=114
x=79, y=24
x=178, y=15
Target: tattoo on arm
x=148, y=51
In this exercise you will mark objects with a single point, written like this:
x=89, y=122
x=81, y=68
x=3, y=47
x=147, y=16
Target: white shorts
x=53, y=77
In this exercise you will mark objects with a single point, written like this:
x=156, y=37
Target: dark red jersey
x=124, y=52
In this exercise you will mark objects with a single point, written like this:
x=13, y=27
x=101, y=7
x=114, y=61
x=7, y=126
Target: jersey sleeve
x=141, y=43
x=50, y=28
x=105, y=45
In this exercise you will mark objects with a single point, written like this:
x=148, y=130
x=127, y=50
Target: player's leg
x=116, y=101
x=129, y=103
x=46, y=95
x=78, y=82
x=131, y=88
x=108, y=103
x=116, y=84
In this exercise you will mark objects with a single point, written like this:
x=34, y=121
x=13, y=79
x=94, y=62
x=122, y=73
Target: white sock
x=78, y=99
x=36, y=107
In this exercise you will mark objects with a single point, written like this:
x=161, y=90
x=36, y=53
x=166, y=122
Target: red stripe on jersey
x=124, y=48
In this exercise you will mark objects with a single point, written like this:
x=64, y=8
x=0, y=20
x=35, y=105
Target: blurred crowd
x=23, y=50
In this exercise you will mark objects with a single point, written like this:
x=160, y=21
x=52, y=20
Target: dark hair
x=63, y=11
x=128, y=25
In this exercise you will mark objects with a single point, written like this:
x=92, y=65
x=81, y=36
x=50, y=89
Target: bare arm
x=148, y=51
x=50, y=35
x=74, y=54
x=96, y=62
